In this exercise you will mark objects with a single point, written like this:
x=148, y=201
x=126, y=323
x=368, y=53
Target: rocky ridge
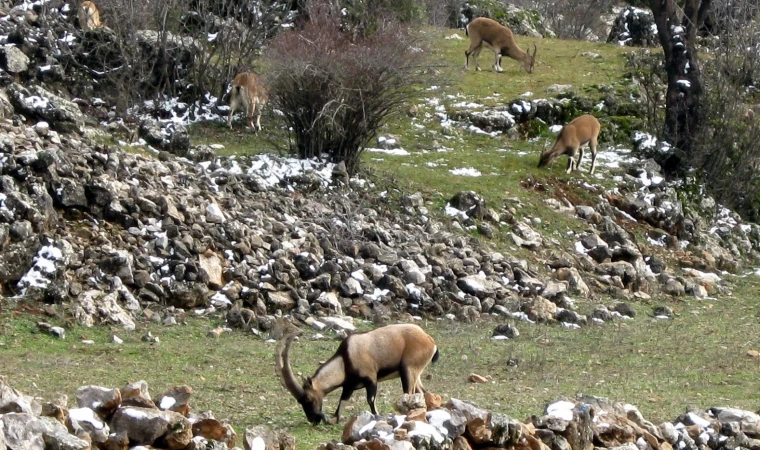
x=115, y=237
x=129, y=417
x=586, y=422
x=109, y=234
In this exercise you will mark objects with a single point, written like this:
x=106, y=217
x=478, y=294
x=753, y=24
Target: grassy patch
x=662, y=366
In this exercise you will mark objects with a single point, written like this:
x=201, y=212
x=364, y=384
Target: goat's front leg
x=344, y=397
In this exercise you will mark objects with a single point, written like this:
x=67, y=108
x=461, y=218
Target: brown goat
x=89, y=16
x=500, y=39
x=248, y=91
x=361, y=361
x=580, y=131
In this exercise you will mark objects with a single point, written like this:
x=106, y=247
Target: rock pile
x=119, y=419
x=118, y=236
x=634, y=27
x=585, y=423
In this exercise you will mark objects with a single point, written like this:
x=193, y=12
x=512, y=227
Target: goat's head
x=307, y=395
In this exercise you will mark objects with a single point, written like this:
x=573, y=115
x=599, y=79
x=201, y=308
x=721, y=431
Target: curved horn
x=283, y=369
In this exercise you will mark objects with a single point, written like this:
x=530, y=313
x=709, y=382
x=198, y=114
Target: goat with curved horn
x=361, y=361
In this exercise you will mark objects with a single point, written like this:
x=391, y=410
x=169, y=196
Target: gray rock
x=95, y=307
x=478, y=285
x=6, y=111
x=351, y=288
x=70, y=193
x=145, y=426
x=100, y=399
x=151, y=131
x=13, y=60
x=21, y=432
x=507, y=330
x=505, y=431
x=559, y=89
x=13, y=401
x=58, y=332
x=469, y=410
x=56, y=436
x=214, y=213
x=634, y=27
x=352, y=430
x=61, y=114
x=554, y=289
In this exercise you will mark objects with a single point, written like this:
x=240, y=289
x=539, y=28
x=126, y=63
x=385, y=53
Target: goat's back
x=253, y=84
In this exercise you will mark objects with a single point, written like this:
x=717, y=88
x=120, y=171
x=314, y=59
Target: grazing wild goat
x=361, y=361
x=580, y=131
x=89, y=16
x=500, y=39
x=248, y=91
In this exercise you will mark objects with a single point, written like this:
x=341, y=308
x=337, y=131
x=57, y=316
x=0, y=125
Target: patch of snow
x=167, y=402
x=390, y=151
x=220, y=300
x=272, y=171
x=562, y=410
x=466, y=172
x=453, y=212
x=43, y=266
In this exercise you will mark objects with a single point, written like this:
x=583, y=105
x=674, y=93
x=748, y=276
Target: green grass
x=663, y=367
x=699, y=358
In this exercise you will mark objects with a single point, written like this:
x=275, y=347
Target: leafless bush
x=166, y=48
x=443, y=13
x=573, y=19
x=334, y=93
x=727, y=153
x=647, y=71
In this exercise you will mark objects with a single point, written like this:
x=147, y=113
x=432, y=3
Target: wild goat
x=580, y=131
x=89, y=16
x=500, y=39
x=248, y=91
x=361, y=361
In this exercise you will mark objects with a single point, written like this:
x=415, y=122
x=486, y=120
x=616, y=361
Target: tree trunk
x=682, y=102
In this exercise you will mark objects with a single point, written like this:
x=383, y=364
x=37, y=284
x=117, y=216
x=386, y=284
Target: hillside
x=622, y=284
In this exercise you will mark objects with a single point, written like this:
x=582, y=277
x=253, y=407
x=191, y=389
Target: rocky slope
x=109, y=233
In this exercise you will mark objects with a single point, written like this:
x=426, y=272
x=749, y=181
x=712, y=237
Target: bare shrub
x=165, y=48
x=334, y=93
x=443, y=13
x=727, y=149
x=647, y=71
x=573, y=19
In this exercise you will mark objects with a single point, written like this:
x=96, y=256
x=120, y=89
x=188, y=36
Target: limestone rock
x=176, y=399
x=102, y=400
x=148, y=426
